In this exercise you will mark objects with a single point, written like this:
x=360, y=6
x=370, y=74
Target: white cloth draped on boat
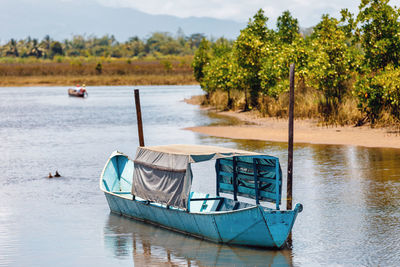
x=162, y=174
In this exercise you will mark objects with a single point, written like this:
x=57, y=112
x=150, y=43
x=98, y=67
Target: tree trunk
x=230, y=100
x=246, y=103
x=254, y=92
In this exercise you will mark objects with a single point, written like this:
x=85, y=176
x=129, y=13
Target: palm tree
x=12, y=48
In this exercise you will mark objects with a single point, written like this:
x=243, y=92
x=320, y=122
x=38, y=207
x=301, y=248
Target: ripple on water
x=351, y=195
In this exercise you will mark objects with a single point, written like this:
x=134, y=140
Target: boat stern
x=280, y=223
x=116, y=176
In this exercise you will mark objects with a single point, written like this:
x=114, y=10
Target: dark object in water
x=50, y=176
x=57, y=174
x=77, y=92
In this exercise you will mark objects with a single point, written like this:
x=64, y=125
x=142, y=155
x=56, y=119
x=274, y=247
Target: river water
x=351, y=195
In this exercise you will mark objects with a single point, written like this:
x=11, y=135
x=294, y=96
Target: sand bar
x=306, y=131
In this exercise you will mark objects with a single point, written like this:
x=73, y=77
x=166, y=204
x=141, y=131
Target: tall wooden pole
x=290, y=141
x=139, y=117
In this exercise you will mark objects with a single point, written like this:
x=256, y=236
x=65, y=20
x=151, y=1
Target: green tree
x=378, y=30
x=194, y=39
x=135, y=46
x=221, y=46
x=330, y=62
x=12, y=48
x=56, y=49
x=201, y=59
x=274, y=71
x=45, y=45
x=288, y=28
x=249, y=50
x=161, y=42
x=221, y=74
x=34, y=49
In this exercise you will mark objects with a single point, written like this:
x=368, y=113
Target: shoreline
x=97, y=80
x=305, y=131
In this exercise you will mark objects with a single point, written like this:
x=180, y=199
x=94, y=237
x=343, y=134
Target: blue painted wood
x=244, y=191
x=255, y=172
x=248, y=177
x=278, y=184
x=249, y=165
x=234, y=181
x=243, y=171
x=217, y=171
x=251, y=225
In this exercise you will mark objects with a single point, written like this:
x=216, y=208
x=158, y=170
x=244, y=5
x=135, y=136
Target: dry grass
x=112, y=68
x=307, y=106
x=170, y=79
x=386, y=119
x=148, y=71
x=219, y=100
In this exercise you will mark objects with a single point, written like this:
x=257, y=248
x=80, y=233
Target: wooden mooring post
x=139, y=118
x=290, y=141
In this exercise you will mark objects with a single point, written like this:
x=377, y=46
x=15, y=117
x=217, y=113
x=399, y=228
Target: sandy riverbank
x=305, y=131
x=96, y=80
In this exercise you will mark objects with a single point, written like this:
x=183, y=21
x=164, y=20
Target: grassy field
x=95, y=71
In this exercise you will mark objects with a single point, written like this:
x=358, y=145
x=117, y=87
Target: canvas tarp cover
x=162, y=174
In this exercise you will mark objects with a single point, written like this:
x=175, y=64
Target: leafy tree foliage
x=201, y=59
x=356, y=56
x=288, y=28
x=157, y=44
x=55, y=49
x=378, y=92
x=249, y=50
x=274, y=73
x=12, y=49
x=330, y=62
x=378, y=29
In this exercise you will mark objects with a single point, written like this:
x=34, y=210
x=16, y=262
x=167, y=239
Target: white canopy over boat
x=162, y=173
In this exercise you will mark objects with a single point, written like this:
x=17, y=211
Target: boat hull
x=72, y=92
x=253, y=226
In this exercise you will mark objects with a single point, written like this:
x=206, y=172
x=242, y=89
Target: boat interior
x=198, y=202
x=117, y=179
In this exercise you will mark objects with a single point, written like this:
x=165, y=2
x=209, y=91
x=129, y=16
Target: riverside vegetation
x=168, y=70
x=347, y=69
x=159, y=59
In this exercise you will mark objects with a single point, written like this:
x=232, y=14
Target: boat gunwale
x=223, y=212
x=118, y=153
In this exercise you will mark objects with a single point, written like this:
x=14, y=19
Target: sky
x=308, y=12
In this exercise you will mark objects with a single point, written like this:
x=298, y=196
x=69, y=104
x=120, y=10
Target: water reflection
x=154, y=246
x=351, y=195
x=250, y=145
x=351, y=198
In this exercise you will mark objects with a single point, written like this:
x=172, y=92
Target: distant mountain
x=306, y=31
x=20, y=19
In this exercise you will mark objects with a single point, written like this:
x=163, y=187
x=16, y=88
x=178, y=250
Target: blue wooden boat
x=155, y=187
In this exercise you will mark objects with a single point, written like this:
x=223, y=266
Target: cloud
x=308, y=12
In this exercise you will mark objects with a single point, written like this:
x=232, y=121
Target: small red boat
x=78, y=92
